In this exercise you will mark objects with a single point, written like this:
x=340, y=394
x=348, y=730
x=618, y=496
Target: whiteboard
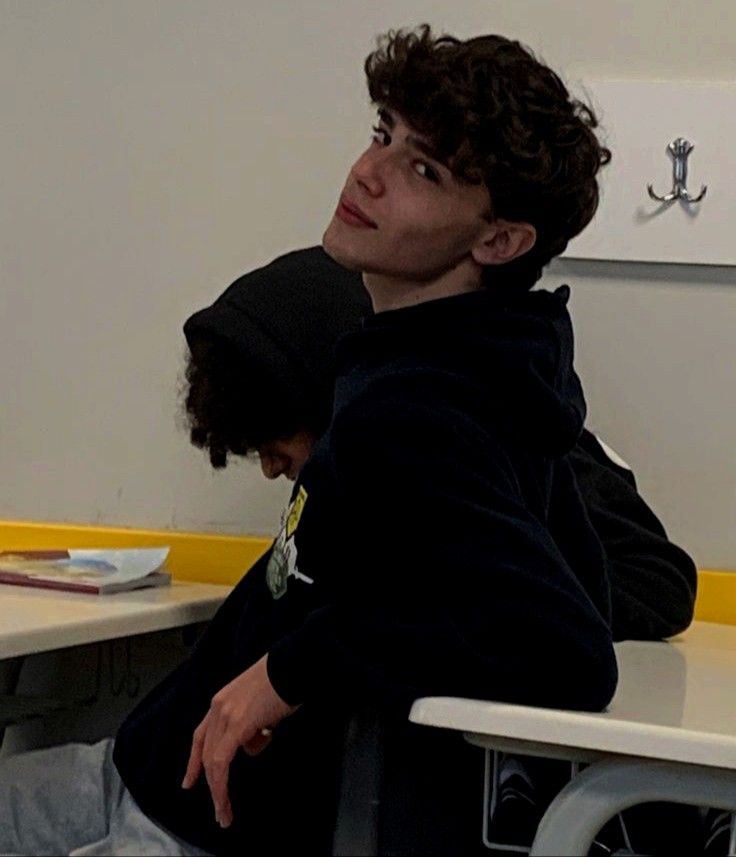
x=639, y=120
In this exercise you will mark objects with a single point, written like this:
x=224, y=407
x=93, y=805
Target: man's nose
x=272, y=466
x=369, y=171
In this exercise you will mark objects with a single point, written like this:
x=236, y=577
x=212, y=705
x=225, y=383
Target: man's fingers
x=217, y=777
x=217, y=770
x=226, y=814
x=194, y=765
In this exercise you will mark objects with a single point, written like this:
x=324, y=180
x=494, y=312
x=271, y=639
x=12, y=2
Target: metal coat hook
x=679, y=149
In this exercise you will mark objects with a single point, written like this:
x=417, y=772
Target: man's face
x=402, y=213
x=286, y=456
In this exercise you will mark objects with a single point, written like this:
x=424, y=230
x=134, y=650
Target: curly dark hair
x=498, y=116
x=232, y=407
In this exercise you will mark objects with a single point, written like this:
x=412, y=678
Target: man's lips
x=353, y=216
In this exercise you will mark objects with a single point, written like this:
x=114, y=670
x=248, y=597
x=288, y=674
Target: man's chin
x=336, y=249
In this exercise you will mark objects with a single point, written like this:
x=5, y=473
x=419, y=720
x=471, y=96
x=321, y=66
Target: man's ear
x=504, y=241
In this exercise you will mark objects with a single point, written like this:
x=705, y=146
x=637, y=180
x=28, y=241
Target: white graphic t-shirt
x=283, y=562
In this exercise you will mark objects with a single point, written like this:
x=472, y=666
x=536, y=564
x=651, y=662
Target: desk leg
x=603, y=789
x=9, y=678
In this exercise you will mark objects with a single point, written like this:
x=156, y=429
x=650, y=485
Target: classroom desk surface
x=675, y=700
x=669, y=734
x=38, y=620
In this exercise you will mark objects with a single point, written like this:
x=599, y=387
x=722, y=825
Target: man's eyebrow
x=425, y=147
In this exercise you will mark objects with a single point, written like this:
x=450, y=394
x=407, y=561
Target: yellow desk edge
x=214, y=558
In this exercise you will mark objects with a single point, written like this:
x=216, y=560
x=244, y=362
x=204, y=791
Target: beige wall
x=152, y=151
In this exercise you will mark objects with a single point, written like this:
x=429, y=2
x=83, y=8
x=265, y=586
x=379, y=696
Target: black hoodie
x=447, y=573
x=418, y=556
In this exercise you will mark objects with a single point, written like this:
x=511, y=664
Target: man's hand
x=242, y=714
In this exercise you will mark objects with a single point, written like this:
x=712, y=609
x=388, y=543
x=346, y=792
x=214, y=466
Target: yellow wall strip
x=194, y=556
x=716, y=601
x=214, y=558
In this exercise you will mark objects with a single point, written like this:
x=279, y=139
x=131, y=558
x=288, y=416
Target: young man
x=429, y=544
x=436, y=542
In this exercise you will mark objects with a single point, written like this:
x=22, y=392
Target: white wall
x=657, y=354
x=153, y=150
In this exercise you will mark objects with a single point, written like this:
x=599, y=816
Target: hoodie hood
x=285, y=318
x=506, y=359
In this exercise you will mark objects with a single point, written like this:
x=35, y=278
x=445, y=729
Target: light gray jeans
x=71, y=800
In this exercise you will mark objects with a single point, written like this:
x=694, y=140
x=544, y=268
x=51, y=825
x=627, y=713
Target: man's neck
x=389, y=293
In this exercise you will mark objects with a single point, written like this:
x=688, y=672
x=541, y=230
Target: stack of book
x=99, y=572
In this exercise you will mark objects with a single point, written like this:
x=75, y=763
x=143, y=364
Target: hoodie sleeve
x=653, y=581
x=451, y=586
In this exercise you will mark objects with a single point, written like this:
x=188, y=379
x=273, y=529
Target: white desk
x=37, y=620
x=669, y=734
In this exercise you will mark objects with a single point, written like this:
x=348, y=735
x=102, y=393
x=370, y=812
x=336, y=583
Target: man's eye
x=426, y=171
x=380, y=135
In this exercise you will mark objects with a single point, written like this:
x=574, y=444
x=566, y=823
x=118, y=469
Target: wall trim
x=215, y=558
x=208, y=557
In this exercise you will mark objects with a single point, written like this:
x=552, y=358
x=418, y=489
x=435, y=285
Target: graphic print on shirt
x=283, y=561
